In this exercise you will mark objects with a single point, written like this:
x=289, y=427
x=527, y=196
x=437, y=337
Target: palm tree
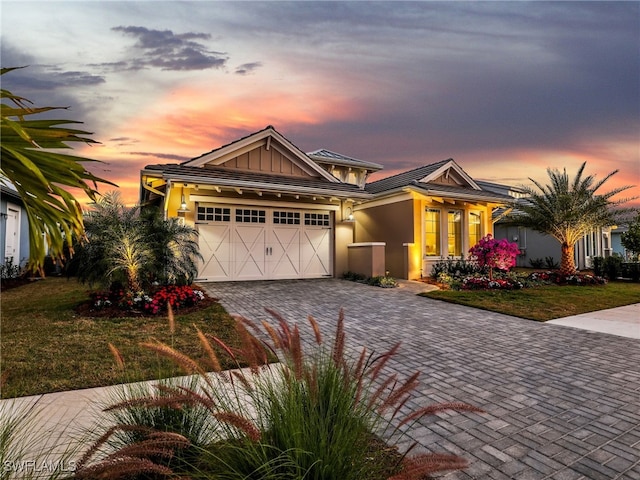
x=40, y=176
x=133, y=247
x=568, y=210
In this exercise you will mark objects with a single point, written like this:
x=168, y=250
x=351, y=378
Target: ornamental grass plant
x=317, y=413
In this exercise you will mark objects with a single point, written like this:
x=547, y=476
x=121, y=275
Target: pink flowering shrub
x=492, y=253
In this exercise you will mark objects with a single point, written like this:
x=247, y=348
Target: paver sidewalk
x=560, y=402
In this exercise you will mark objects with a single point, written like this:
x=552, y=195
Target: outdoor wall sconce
x=348, y=214
x=183, y=204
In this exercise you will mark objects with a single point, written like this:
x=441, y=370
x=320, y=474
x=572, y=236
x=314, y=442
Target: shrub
x=612, y=267
x=492, y=253
x=551, y=263
x=536, y=262
x=631, y=271
x=9, y=270
x=598, y=266
x=315, y=415
x=383, y=281
x=458, y=268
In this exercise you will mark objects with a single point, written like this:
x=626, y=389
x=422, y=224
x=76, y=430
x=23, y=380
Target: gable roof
x=327, y=156
x=421, y=180
x=268, y=134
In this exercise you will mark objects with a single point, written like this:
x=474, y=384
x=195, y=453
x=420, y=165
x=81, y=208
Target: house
x=14, y=227
x=266, y=210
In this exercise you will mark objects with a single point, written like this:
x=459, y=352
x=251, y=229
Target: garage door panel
x=316, y=256
x=215, y=248
x=249, y=252
x=284, y=255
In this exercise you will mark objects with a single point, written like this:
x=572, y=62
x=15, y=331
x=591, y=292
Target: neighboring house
x=14, y=227
x=266, y=210
x=539, y=246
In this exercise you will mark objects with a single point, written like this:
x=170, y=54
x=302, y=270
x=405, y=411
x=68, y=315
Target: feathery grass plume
x=316, y=329
x=338, y=345
x=243, y=380
x=213, y=358
x=241, y=423
x=172, y=320
x=275, y=338
x=182, y=360
x=381, y=389
x=181, y=395
x=224, y=346
x=117, y=356
x=358, y=372
x=382, y=360
x=416, y=468
x=285, y=332
x=296, y=353
x=122, y=468
x=440, y=407
x=102, y=440
x=246, y=350
x=394, y=396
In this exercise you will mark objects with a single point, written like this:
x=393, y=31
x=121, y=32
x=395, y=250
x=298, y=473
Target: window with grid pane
x=213, y=214
x=247, y=215
x=475, y=228
x=286, y=218
x=432, y=232
x=317, y=219
x=454, y=233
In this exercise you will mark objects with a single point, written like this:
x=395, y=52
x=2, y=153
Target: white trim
x=451, y=164
x=367, y=244
x=202, y=199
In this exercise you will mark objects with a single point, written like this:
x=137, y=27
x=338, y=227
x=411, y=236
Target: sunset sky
x=507, y=89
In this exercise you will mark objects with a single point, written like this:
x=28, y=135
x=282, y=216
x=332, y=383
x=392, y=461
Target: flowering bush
x=492, y=253
x=153, y=302
x=486, y=283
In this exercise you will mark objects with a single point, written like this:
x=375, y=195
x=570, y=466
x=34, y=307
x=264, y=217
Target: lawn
x=547, y=302
x=47, y=347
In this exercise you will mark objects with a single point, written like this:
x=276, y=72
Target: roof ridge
x=406, y=172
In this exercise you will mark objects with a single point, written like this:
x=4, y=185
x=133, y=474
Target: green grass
x=547, y=302
x=47, y=347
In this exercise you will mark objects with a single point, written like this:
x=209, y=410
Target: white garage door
x=250, y=243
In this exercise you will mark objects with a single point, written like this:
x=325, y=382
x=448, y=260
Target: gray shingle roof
x=411, y=179
x=403, y=179
x=327, y=156
x=233, y=178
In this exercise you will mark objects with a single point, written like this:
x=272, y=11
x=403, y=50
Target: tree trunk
x=567, y=263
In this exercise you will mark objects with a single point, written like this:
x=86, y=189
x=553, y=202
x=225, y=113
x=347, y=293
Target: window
x=432, y=232
x=286, y=218
x=214, y=214
x=317, y=219
x=250, y=216
x=475, y=229
x=454, y=233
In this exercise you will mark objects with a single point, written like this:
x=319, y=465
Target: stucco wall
x=393, y=225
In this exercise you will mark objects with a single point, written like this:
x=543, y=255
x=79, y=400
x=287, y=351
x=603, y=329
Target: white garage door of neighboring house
x=251, y=243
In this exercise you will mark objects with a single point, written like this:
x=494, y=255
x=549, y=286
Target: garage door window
x=214, y=214
x=317, y=219
x=244, y=215
x=286, y=218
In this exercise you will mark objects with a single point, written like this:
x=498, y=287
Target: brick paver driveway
x=560, y=403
